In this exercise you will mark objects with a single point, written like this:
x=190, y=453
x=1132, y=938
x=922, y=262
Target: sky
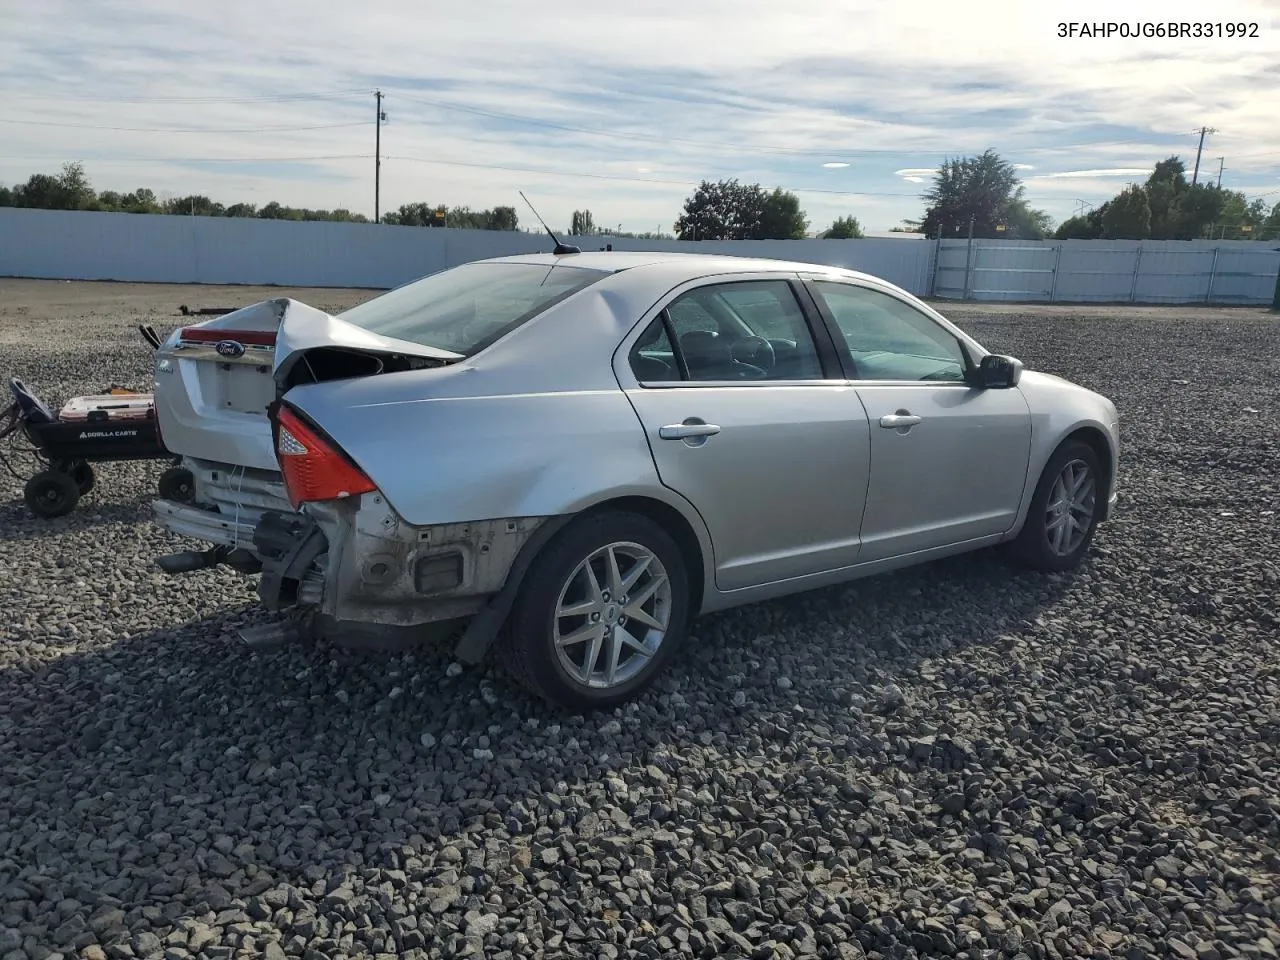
x=623, y=108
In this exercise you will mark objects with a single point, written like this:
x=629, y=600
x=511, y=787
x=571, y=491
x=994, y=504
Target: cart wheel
x=82, y=474
x=51, y=493
x=177, y=483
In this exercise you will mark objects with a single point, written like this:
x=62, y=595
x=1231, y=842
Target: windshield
x=466, y=308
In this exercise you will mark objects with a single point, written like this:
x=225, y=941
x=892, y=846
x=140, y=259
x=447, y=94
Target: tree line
x=980, y=196
x=1168, y=207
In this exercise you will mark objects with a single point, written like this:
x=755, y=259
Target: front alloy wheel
x=1064, y=510
x=1069, y=514
x=601, y=611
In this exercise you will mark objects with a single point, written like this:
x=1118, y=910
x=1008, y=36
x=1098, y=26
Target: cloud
x=620, y=109
x=1088, y=174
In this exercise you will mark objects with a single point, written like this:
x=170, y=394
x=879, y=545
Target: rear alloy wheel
x=51, y=493
x=1064, y=511
x=602, y=611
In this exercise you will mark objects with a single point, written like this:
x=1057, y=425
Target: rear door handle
x=893, y=421
x=683, y=431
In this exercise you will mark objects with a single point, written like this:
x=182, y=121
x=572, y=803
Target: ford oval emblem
x=230, y=348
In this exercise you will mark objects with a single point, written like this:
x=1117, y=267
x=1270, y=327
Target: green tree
x=503, y=218
x=108, y=201
x=194, y=206
x=75, y=186
x=985, y=190
x=781, y=217
x=719, y=211
x=582, y=224
x=1240, y=217
x=1128, y=216
x=1165, y=188
x=69, y=190
x=1078, y=228
x=1270, y=228
x=142, y=200
x=844, y=228
x=1198, y=209
x=729, y=210
x=242, y=210
x=6, y=196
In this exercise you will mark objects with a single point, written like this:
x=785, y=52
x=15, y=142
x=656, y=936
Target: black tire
x=177, y=483
x=82, y=473
x=1033, y=547
x=527, y=645
x=51, y=493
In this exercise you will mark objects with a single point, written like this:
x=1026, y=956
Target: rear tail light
x=314, y=469
x=250, y=338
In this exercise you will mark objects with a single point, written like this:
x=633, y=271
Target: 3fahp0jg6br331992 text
x=1165, y=29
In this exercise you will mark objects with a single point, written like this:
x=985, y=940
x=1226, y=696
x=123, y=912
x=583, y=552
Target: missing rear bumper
x=376, y=581
x=289, y=545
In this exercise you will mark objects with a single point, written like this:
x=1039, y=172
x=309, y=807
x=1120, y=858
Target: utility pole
x=1196, y=172
x=377, y=162
x=1221, y=167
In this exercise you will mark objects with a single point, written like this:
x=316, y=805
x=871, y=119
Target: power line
x=758, y=148
x=215, y=130
x=268, y=98
x=153, y=159
x=619, y=177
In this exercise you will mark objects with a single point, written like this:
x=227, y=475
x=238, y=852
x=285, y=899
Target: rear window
x=466, y=308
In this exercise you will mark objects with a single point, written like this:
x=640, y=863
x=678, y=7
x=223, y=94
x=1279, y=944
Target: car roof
x=692, y=265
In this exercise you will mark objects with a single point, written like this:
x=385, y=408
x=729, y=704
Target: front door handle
x=684, y=431
x=895, y=421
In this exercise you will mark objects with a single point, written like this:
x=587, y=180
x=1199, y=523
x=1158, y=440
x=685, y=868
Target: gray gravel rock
x=961, y=760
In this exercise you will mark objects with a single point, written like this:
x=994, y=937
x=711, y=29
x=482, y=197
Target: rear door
x=948, y=460
x=750, y=419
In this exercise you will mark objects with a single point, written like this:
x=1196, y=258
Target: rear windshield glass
x=466, y=308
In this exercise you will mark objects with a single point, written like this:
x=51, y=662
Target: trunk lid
x=216, y=379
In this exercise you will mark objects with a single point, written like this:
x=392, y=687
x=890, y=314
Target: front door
x=746, y=424
x=948, y=460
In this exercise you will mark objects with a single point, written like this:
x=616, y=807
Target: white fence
x=70, y=245
x=1107, y=271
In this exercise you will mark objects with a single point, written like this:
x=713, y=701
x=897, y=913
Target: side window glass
x=688, y=315
x=889, y=339
x=652, y=358
x=757, y=331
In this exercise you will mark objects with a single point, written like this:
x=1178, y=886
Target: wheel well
x=1096, y=439
x=677, y=526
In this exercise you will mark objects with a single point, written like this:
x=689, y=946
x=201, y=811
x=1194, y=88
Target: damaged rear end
x=214, y=386
x=369, y=514
x=346, y=560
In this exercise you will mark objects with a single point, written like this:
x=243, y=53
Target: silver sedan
x=568, y=457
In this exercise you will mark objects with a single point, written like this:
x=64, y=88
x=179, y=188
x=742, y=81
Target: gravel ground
x=956, y=761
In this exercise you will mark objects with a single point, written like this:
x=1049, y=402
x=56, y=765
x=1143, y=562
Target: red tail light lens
x=250, y=338
x=314, y=470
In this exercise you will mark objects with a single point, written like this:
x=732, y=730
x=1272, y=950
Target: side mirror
x=997, y=372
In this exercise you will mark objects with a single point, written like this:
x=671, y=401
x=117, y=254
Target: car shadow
x=18, y=523
x=380, y=760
